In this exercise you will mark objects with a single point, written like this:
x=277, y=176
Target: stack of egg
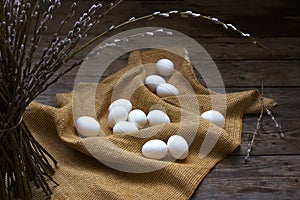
x=156, y=83
x=122, y=119
x=118, y=116
x=176, y=145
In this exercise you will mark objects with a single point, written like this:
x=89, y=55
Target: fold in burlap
x=81, y=176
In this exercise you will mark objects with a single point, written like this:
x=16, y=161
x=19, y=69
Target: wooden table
x=274, y=170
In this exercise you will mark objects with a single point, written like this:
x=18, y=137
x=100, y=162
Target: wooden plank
x=264, y=177
x=219, y=49
x=66, y=84
x=285, y=26
x=281, y=26
x=225, y=7
x=287, y=98
x=270, y=144
x=265, y=144
x=249, y=74
x=246, y=8
x=245, y=15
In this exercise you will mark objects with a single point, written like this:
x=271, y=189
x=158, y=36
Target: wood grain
x=275, y=177
x=274, y=171
x=221, y=48
x=255, y=16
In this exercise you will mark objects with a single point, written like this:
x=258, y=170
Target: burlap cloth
x=81, y=176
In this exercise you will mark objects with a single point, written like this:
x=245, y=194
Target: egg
x=157, y=117
x=117, y=114
x=153, y=81
x=155, y=149
x=124, y=127
x=214, y=117
x=166, y=89
x=88, y=126
x=178, y=147
x=165, y=67
x=138, y=118
x=121, y=102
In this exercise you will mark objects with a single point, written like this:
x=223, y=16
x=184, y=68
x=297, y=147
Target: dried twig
x=259, y=124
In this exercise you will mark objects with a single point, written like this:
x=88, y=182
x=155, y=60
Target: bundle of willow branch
x=23, y=78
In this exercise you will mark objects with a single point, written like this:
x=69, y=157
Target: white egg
x=178, y=147
x=121, y=102
x=124, y=127
x=153, y=81
x=88, y=126
x=138, y=118
x=157, y=117
x=166, y=89
x=165, y=67
x=214, y=117
x=117, y=114
x=155, y=149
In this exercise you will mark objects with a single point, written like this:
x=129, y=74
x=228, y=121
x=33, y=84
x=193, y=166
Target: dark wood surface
x=274, y=170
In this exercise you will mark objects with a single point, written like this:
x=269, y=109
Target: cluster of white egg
x=176, y=146
x=158, y=84
x=122, y=119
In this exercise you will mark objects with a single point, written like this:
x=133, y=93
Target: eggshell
x=178, y=147
x=117, y=114
x=87, y=126
x=153, y=81
x=124, y=127
x=166, y=89
x=157, y=117
x=155, y=149
x=138, y=118
x=165, y=67
x=214, y=117
x=121, y=102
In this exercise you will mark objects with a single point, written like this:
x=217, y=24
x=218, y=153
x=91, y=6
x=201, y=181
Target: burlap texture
x=81, y=176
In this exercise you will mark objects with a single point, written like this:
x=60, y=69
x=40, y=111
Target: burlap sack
x=82, y=176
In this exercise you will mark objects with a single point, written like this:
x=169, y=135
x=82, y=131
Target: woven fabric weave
x=81, y=176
